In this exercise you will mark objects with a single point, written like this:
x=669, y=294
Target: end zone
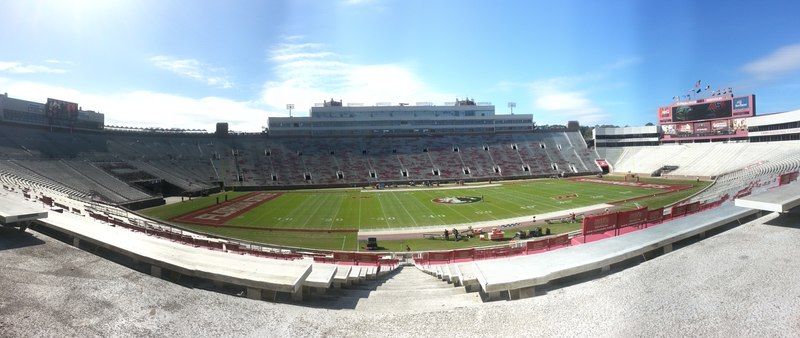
x=219, y=214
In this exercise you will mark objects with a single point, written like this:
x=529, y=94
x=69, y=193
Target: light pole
x=511, y=106
x=290, y=106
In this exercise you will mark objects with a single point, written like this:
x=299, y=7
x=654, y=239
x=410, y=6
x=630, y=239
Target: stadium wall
x=143, y=204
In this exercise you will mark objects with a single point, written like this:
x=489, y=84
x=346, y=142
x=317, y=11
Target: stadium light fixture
x=290, y=106
x=511, y=106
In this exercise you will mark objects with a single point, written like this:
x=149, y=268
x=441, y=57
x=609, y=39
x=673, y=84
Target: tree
x=586, y=131
x=649, y=124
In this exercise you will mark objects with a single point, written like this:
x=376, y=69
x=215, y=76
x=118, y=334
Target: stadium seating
x=751, y=179
x=701, y=159
x=106, y=164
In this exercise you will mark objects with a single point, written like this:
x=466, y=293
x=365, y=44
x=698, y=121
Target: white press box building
x=423, y=118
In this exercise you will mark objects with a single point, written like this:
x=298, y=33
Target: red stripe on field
x=220, y=214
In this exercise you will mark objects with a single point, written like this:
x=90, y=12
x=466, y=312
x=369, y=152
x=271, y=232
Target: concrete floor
x=742, y=282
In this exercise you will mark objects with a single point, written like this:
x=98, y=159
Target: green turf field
x=354, y=209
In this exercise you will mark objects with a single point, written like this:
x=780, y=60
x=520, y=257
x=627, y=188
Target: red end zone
x=635, y=184
x=665, y=188
x=221, y=213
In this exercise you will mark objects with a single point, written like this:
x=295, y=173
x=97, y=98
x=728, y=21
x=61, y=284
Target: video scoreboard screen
x=57, y=109
x=716, y=117
x=703, y=111
x=713, y=108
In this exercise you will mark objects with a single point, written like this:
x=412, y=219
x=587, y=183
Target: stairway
x=407, y=290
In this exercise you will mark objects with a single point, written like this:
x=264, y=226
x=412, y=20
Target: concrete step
x=396, y=293
x=418, y=292
x=407, y=290
x=416, y=286
x=418, y=303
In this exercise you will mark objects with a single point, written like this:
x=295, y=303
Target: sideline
x=434, y=188
x=523, y=221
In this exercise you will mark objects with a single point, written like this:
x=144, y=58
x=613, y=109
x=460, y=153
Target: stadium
x=524, y=168
x=315, y=209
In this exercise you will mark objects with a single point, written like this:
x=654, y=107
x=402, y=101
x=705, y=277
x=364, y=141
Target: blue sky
x=190, y=64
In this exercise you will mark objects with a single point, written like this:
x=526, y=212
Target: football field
x=334, y=209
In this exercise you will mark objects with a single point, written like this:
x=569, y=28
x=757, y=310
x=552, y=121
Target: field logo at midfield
x=565, y=197
x=221, y=213
x=457, y=200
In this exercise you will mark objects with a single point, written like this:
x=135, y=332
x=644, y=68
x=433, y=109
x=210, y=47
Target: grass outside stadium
x=330, y=218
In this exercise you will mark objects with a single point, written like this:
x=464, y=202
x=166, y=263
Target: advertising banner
x=655, y=216
x=599, y=223
x=463, y=254
x=702, y=127
x=678, y=210
x=631, y=217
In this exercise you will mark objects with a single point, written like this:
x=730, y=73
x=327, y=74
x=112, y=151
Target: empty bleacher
x=702, y=159
x=107, y=164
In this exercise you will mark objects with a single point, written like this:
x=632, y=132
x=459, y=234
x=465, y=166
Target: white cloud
x=193, y=69
x=23, y=68
x=565, y=104
x=307, y=73
x=563, y=98
x=783, y=60
x=568, y=98
x=143, y=108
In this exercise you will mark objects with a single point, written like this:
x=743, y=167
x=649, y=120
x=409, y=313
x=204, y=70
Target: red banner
x=632, y=217
x=46, y=200
x=692, y=207
x=599, y=223
x=560, y=240
x=345, y=257
x=364, y=259
x=744, y=192
x=678, y=210
x=463, y=254
x=537, y=245
x=440, y=256
x=787, y=178
x=655, y=216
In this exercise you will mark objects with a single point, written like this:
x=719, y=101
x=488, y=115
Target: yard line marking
x=306, y=199
x=276, y=205
x=318, y=205
x=451, y=208
x=406, y=210
x=497, y=206
x=413, y=197
x=383, y=211
x=282, y=211
x=336, y=214
x=359, y=213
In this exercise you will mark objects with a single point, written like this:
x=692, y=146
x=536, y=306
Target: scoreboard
x=714, y=117
x=708, y=109
x=57, y=109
